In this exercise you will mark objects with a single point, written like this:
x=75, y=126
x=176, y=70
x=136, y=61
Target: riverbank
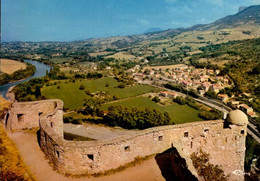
x=40, y=72
x=19, y=74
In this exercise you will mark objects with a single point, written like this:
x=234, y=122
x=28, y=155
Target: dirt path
x=34, y=158
x=128, y=98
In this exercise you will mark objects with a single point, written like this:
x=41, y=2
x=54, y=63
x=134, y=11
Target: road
x=251, y=128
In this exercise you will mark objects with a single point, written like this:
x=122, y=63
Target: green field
x=61, y=60
x=74, y=98
x=178, y=113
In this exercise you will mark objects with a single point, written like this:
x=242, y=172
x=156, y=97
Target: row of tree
x=29, y=91
x=213, y=114
x=180, y=88
x=134, y=118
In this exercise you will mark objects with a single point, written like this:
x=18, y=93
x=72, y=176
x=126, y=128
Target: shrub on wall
x=205, y=169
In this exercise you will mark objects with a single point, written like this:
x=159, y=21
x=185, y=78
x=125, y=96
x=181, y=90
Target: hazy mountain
x=241, y=8
x=247, y=15
x=152, y=30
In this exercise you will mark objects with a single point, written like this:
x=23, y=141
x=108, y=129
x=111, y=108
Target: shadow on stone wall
x=173, y=167
x=39, y=137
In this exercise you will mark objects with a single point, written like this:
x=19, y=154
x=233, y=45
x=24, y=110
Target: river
x=40, y=72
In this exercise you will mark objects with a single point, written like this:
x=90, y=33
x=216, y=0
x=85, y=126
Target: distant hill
x=152, y=30
x=241, y=8
x=245, y=15
x=153, y=44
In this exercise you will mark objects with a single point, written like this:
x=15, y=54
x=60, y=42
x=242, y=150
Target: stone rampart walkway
x=33, y=156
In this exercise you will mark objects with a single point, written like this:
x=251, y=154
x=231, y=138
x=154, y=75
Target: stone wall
x=23, y=115
x=224, y=143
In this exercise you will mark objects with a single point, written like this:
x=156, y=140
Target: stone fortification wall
x=23, y=115
x=224, y=143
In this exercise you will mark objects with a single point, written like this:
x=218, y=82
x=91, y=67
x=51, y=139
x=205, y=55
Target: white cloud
x=143, y=22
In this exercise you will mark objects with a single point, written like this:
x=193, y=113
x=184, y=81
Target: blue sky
x=67, y=20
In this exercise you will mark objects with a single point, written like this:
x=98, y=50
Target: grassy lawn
x=61, y=60
x=73, y=97
x=178, y=113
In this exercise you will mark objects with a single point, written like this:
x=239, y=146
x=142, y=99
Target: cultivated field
x=74, y=98
x=122, y=55
x=178, y=113
x=220, y=62
x=10, y=66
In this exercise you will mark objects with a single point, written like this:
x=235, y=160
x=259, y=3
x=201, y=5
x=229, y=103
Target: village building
x=233, y=104
x=168, y=94
x=223, y=97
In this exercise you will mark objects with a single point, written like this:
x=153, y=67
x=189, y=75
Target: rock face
x=223, y=140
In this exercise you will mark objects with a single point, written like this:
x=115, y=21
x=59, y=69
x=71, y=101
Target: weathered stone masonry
x=26, y=114
x=225, y=142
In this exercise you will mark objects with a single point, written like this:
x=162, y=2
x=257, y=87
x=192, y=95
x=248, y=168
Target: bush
x=115, y=97
x=81, y=87
x=121, y=86
x=205, y=169
x=88, y=92
x=211, y=115
x=210, y=94
x=92, y=107
x=180, y=100
x=156, y=99
x=69, y=119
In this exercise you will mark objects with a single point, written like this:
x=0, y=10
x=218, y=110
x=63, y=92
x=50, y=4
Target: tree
x=156, y=99
x=38, y=91
x=210, y=94
x=133, y=118
x=180, y=100
x=121, y=86
x=81, y=87
x=92, y=107
x=211, y=115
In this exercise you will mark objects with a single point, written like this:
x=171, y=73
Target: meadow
x=178, y=113
x=74, y=98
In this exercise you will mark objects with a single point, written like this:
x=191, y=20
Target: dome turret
x=237, y=117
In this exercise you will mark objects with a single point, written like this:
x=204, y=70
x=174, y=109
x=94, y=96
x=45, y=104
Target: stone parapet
x=224, y=141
